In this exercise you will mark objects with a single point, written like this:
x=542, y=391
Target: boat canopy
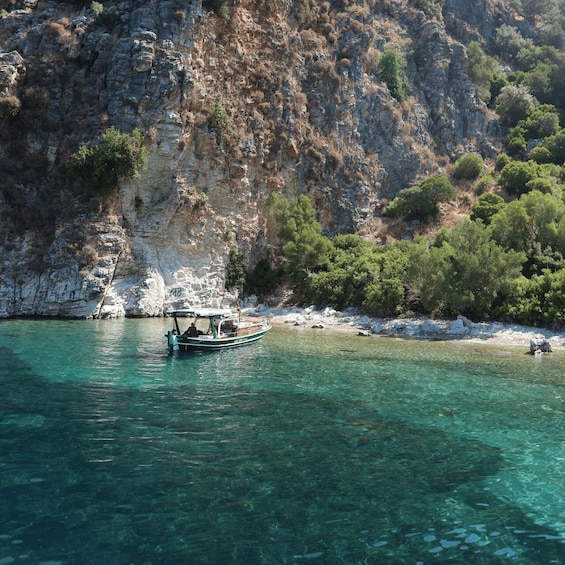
x=203, y=313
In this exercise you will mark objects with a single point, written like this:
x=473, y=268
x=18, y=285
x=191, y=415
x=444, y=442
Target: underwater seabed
x=304, y=447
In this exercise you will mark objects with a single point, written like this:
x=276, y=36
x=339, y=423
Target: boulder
x=458, y=328
x=538, y=346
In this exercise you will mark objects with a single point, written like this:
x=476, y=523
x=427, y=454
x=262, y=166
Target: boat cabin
x=205, y=321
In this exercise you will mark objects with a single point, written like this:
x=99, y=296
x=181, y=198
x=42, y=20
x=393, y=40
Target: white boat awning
x=203, y=313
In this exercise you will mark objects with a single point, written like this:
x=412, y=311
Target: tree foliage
x=488, y=205
x=119, y=155
x=305, y=249
x=513, y=103
x=535, y=225
x=464, y=272
x=516, y=175
x=469, y=167
x=235, y=271
x=392, y=68
x=422, y=201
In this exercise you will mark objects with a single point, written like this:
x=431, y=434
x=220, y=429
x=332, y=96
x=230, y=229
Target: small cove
x=308, y=446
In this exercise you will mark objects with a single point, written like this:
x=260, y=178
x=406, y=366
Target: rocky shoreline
x=414, y=328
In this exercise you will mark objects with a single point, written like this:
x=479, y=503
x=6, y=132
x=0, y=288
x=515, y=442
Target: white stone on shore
x=458, y=328
x=425, y=328
x=430, y=327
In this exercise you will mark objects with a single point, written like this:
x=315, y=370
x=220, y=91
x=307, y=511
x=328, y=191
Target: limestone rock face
x=12, y=70
x=305, y=112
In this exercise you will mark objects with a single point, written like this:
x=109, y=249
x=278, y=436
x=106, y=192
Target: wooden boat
x=208, y=329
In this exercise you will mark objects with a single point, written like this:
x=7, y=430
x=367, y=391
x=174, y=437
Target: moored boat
x=208, y=329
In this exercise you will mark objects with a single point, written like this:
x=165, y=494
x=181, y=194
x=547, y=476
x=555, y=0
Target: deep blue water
x=307, y=447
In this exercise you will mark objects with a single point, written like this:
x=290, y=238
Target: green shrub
x=469, y=167
x=464, y=271
x=541, y=154
x=513, y=103
x=497, y=82
x=119, y=155
x=515, y=176
x=422, y=201
x=218, y=117
x=555, y=144
x=484, y=184
x=541, y=184
x=516, y=143
x=480, y=68
x=539, y=122
x=487, y=206
x=97, y=8
x=509, y=41
x=392, y=69
x=501, y=161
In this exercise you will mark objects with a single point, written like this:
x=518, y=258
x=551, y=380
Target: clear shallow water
x=305, y=447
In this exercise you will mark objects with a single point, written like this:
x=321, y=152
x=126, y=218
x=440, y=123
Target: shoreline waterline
x=424, y=328
x=421, y=328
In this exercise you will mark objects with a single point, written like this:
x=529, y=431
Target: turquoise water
x=305, y=447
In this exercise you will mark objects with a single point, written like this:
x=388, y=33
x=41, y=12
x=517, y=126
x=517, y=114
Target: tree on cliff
x=392, y=69
x=119, y=155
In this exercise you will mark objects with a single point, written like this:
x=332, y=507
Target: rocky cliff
x=306, y=113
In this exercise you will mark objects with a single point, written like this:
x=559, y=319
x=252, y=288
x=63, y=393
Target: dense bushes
x=119, y=155
x=422, y=201
x=537, y=63
x=515, y=176
x=507, y=261
x=464, y=272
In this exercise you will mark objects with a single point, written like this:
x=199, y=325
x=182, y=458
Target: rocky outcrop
x=12, y=70
x=306, y=113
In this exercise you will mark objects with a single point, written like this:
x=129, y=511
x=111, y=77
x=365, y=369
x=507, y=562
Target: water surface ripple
x=305, y=447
